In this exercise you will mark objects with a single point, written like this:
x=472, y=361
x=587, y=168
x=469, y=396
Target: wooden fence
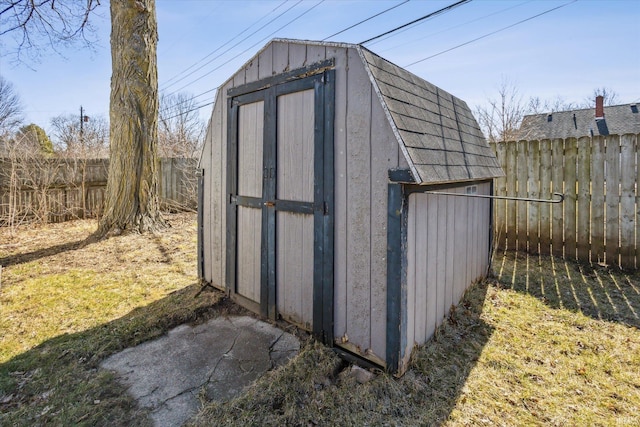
x=56, y=190
x=599, y=220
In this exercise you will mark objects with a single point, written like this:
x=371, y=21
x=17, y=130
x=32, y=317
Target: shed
x=315, y=202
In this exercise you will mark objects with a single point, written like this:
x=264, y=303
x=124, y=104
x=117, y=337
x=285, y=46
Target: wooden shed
x=316, y=197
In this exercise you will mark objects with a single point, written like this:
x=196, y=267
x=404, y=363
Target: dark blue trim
x=395, y=253
x=201, y=224
x=292, y=75
x=232, y=189
x=401, y=175
x=328, y=218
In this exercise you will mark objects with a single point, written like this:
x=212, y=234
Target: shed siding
x=340, y=192
x=441, y=239
x=214, y=164
x=358, y=233
x=447, y=250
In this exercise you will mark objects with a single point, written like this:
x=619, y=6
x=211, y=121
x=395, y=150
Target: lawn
x=544, y=342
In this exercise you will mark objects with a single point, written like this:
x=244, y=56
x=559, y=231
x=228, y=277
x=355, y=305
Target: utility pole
x=81, y=127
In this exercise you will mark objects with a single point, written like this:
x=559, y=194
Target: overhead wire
x=364, y=20
x=422, y=18
x=250, y=47
x=432, y=14
x=490, y=34
x=450, y=28
x=166, y=86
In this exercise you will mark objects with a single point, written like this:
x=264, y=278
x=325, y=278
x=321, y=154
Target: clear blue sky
x=565, y=53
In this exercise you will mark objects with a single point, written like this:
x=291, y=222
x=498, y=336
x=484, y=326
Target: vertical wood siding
x=599, y=220
x=447, y=250
x=295, y=181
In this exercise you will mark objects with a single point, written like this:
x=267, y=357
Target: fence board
x=612, y=197
x=627, y=200
x=510, y=170
x=545, y=191
x=597, y=199
x=500, y=187
x=533, y=191
x=57, y=190
x=557, y=181
x=584, y=197
x=570, y=205
x=523, y=170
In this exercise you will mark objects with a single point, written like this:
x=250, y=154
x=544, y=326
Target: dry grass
x=546, y=342
x=68, y=302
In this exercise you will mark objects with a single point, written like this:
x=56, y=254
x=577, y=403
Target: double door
x=280, y=186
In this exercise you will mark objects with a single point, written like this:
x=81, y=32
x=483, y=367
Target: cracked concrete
x=220, y=358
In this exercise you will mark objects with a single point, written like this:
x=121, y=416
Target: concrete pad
x=220, y=358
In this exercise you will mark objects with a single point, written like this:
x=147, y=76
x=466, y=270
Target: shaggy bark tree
x=132, y=201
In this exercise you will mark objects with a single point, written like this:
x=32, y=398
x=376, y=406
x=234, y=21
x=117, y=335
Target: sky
x=545, y=48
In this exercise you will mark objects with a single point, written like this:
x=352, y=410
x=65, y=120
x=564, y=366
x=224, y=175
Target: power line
x=451, y=28
x=432, y=14
x=490, y=34
x=189, y=111
x=229, y=41
x=365, y=20
x=187, y=100
x=251, y=47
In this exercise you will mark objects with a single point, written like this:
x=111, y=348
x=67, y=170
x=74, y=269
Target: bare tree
x=88, y=139
x=10, y=111
x=181, y=131
x=609, y=95
x=33, y=25
x=500, y=119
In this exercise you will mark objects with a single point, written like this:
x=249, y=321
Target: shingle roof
x=436, y=130
x=618, y=120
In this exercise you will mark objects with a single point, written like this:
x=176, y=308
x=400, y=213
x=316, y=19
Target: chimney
x=599, y=107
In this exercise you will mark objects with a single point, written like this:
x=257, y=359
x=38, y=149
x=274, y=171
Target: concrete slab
x=218, y=358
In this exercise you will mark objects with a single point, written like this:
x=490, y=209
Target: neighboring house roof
x=616, y=120
x=437, y=131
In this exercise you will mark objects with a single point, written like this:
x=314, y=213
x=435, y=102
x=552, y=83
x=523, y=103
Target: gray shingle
x=441, y=136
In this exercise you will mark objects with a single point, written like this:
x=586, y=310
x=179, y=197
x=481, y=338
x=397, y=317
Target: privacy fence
x=56, y=190
x=599, y=220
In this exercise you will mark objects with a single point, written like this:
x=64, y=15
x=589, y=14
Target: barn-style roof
x=617, y=120
x=437, y=131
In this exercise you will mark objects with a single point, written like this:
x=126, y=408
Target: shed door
x=280, y=237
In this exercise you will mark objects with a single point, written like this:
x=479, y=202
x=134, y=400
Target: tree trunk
x=132, y=200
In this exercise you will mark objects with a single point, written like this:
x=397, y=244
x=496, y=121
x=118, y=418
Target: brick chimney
x=599, y=107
